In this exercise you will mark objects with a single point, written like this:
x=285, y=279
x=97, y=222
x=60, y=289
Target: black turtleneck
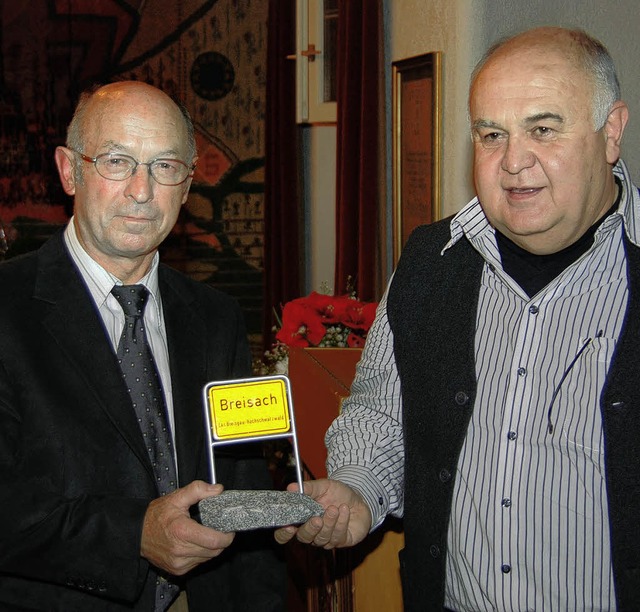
x=533, y=272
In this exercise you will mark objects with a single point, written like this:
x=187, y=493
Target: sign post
x=246, y=410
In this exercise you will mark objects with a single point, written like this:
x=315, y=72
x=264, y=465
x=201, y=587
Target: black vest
x=432, y=306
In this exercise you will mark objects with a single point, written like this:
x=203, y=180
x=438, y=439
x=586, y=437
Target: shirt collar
x=629, y=207
x=472, y=222
x=98, y=280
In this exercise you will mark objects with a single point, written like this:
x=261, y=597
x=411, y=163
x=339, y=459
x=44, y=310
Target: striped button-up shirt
x=529, y=526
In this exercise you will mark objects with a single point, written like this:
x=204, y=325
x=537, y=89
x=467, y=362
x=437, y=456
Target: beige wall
x=415, y=27
x=319, y=177
x=462, y=29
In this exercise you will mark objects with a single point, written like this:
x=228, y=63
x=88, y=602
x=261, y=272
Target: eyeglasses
x=117, y=167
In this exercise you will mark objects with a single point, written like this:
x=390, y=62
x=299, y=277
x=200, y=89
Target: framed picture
x=417, y=116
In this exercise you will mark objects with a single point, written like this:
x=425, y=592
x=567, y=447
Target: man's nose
x=517, y=156
x=140, y=184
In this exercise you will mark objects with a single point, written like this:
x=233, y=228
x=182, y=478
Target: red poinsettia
x=332, y=309
x=325, y=320
x=359, y=315
x=301, y=325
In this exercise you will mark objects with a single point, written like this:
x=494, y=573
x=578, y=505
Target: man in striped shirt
x=496, y=406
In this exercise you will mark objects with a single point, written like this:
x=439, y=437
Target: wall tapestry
x=211, y=54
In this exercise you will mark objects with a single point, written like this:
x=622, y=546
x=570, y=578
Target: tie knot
x=132, y=299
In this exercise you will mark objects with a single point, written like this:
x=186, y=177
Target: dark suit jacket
x=75, y=478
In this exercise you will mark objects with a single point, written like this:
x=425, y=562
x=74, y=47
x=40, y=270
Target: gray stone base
x=246, y=510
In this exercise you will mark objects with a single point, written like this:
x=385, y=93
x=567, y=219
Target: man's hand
x=345, y=522
x=172, y=540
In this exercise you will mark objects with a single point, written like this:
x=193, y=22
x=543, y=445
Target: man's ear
x=613, y=130
x=187, y=183
x=66, y=169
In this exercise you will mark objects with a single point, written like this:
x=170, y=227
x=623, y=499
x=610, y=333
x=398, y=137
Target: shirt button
x=434, y=551
x=522, y=371
x=445, y=475
x=533, y=310
x=512, y=435
x=505, y=569
x=506, y=502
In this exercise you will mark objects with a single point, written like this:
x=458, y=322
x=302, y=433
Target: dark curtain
x=282, y=252
x=357, y=188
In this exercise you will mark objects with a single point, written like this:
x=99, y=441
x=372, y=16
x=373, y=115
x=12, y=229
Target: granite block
x=246, y=510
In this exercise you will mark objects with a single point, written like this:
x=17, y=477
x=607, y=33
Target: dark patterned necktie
x=143, y=383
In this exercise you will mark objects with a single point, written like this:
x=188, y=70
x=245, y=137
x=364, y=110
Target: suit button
x=461, y=398
x=434, y=551
x=445, y=475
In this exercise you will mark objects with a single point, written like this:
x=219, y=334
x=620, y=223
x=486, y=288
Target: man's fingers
x=335, y=528
x=196, y=491
x=309, y=530
x=285, y=534
x=340, y=534
x=172, y=540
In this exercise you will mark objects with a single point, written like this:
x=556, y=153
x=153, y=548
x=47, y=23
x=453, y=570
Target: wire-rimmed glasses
x=119, y=167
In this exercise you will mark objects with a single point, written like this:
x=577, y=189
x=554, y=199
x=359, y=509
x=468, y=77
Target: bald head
x=582, y=51
x=120, y=95
x=126, y=143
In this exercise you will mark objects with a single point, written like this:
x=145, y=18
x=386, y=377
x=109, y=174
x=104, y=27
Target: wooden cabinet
x=365, y=578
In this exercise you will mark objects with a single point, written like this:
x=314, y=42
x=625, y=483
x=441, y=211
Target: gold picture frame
x=417, y=126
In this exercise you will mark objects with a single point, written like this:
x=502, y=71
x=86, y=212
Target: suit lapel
x=70, y=317
x=74, y=324
x=186, y=340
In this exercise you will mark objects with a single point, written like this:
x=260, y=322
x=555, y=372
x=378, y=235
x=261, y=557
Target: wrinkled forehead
x=134, y=117
x=535, y=55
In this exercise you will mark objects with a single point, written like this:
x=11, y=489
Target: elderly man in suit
x=87, y=521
